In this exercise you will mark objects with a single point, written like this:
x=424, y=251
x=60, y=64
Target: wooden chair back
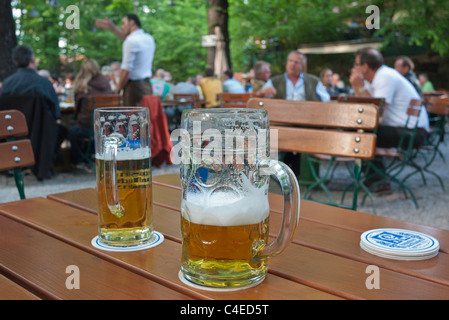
x=357, y=116
x=16, y=152
x=379, y=102
x=294, y=121
x=12, y=124
x=194, y=97
x=438, y=105
x=324, y=128
x=104, y=100
x=234, y=100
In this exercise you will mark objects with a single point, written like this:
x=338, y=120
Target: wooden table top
x=43, y=238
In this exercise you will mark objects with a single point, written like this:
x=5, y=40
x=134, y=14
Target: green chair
x=395, y=160
x=15, y=151
x=425, y=155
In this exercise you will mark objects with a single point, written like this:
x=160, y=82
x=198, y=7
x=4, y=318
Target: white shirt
x=297, y=92
x=138, y=54
x=397, y=91
x=233, y=86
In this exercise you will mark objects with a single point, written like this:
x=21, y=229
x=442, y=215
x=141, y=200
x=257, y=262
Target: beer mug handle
x=111, y=144
x=290, y=218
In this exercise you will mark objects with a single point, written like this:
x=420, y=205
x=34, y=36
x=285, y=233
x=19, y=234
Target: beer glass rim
x=224, y=110
x=120, y=109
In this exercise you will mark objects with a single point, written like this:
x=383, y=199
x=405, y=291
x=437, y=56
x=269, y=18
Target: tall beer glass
x=123, y=168
x=225, y=173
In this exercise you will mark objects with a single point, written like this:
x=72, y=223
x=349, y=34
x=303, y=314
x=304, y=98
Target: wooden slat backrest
x=235, y=100
x=16, y=153
x=438, y=105
x=324, y=139
x=104, y=100
x=12, y=124
x=319, y=114
x=377, y=101
x=194, y=97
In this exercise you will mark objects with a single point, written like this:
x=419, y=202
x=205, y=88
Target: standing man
x=137, y=60
x=295, y=84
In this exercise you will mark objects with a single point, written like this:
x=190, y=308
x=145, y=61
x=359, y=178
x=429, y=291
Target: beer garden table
x=45, y=242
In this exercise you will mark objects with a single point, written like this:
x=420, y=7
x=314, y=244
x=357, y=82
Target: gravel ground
x=432, y=200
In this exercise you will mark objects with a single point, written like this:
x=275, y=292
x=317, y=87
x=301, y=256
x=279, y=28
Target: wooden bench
x=336, y=130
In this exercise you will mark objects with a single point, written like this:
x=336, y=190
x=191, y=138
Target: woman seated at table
x=88, y=81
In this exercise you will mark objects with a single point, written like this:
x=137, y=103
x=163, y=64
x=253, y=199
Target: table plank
x=334, y=216
x=323, y=237
x=10, y=290
x=161, y=263
x=41, y=261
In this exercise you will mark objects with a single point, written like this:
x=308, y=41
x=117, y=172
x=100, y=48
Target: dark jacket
x=26, y=81
x=83, y=112
x=42, y=127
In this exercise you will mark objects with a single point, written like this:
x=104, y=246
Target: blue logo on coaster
x=399, y=239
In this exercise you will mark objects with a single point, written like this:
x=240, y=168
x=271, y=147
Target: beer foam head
x=127, y=154
x=225, y=208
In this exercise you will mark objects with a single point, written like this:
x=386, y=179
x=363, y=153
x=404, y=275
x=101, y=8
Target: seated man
x=371, y=78
x=231, y=85
x=211, y=87
x=158, y=84
x=262, y=72
x=404, y=65
x=26, y=81
x=294, y=84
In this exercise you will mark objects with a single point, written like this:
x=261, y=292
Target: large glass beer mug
x=225, y=174
x=123, y=168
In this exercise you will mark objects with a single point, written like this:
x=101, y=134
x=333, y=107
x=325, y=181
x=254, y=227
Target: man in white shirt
x=371, y=78
x=137, y=60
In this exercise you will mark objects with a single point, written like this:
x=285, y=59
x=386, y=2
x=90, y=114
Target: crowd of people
x=134, y=78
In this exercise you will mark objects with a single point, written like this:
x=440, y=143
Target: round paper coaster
x=398, y=257
x=226, y=289
x=399, y=244
x=156, y=240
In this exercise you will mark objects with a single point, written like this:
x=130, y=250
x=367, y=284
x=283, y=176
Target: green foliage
x=258, y=29
x=421, y=23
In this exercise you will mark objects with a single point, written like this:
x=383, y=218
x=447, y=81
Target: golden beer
x=132, y=224
x=224, y=253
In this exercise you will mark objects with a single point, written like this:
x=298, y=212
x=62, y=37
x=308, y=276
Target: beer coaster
x=156, y=240
x=226, y=289
x=399, y=244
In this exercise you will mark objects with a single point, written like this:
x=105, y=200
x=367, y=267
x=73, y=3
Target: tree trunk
x=8, y=39
x=217, y=16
